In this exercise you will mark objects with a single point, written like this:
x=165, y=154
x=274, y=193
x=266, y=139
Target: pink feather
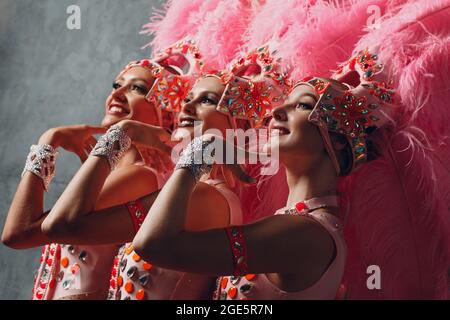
x=313, y=36
x=398, y=206
x=392, y=221
x=217, y=27
x=416, y=42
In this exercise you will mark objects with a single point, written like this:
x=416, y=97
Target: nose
x=119, y=94
x=188, y=107
x=279, y=113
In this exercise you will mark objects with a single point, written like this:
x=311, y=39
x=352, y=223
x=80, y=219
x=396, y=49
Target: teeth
x=186, y=123
x=116, y=110
x=277, y=132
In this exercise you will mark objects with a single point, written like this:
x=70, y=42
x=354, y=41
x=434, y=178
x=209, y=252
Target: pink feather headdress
x=397, y=207
x=216, y=26
x=311, y=37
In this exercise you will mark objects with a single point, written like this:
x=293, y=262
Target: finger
x=156, y=158
x=81, y=153
x=164, y=148
x=96, y=130
x=167, y=162
x=164, y=136
x=92, y=141
x=214, y=170
x=88, y=149
x=228, y=175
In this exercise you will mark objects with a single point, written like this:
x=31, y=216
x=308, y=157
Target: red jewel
x=113, y=272
x=185, y=48
x=39, y=295
x=112, y=283
x=305, y=79
x=351, y=65
x=301, y=206
x=49, y=262
x=52, y=251
x=43, y=285
x=52, y=284
x=145, y=63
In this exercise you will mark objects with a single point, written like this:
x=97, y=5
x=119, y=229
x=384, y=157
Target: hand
x=146, y=135
x=77, y=138
x=162, y=162
x=229, y=170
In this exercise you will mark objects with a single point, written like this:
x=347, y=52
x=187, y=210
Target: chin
x=183, y=133
x=108, y=121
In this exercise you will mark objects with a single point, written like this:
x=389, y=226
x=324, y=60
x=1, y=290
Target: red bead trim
x=44, y=281
x=239, y=250
x=137, y=213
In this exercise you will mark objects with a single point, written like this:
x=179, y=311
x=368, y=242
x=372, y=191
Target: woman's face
x=128, y=98
x=298, y=138
x=200, y=105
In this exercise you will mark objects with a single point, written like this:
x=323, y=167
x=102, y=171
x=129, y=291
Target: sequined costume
x=259, y=287
x=132, y=278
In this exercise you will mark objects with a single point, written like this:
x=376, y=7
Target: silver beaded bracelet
x=41, y=162
x=112, y=145
x=197, y=158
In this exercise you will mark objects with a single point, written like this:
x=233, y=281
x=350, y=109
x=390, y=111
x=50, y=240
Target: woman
x=133, y=278
x=298, y=253
x=139, y=171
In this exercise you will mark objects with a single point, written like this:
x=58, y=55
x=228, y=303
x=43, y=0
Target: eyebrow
x=204, y=92
x=134, y=80
x=309, y=94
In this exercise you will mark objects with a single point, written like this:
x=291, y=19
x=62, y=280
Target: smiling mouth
x=279, y=131
x=186, y=123
x=115, y=109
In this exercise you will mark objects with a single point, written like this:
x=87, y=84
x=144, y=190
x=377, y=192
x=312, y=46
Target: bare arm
x=94, y=188
x=23, y=223
x=279, y=244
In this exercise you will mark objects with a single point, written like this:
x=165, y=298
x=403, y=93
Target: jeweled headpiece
x=172, y=87
x=363, y=102
x=254, y=85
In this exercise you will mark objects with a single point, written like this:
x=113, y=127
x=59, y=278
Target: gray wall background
x=51, y=76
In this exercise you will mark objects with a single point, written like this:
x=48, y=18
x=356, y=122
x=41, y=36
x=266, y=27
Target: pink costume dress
x=135, y=279
x=259, y=287
x=71, y=272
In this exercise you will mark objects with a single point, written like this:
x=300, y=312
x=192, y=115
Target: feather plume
x=217, y=27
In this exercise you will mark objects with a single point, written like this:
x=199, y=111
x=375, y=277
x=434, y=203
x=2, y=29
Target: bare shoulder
x=208, y=208
x=137, y=180
x=134, y=173
x=305, y=241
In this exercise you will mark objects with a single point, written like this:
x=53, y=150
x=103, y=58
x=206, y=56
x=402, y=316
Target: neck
x=305, y=183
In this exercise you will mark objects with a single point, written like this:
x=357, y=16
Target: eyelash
x=208, y=100
x=303, y=106
x=140, y=89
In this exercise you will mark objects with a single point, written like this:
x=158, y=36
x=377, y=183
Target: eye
x=187, y=100
x=207, y=100
x=140, y=89
x=304, y=106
